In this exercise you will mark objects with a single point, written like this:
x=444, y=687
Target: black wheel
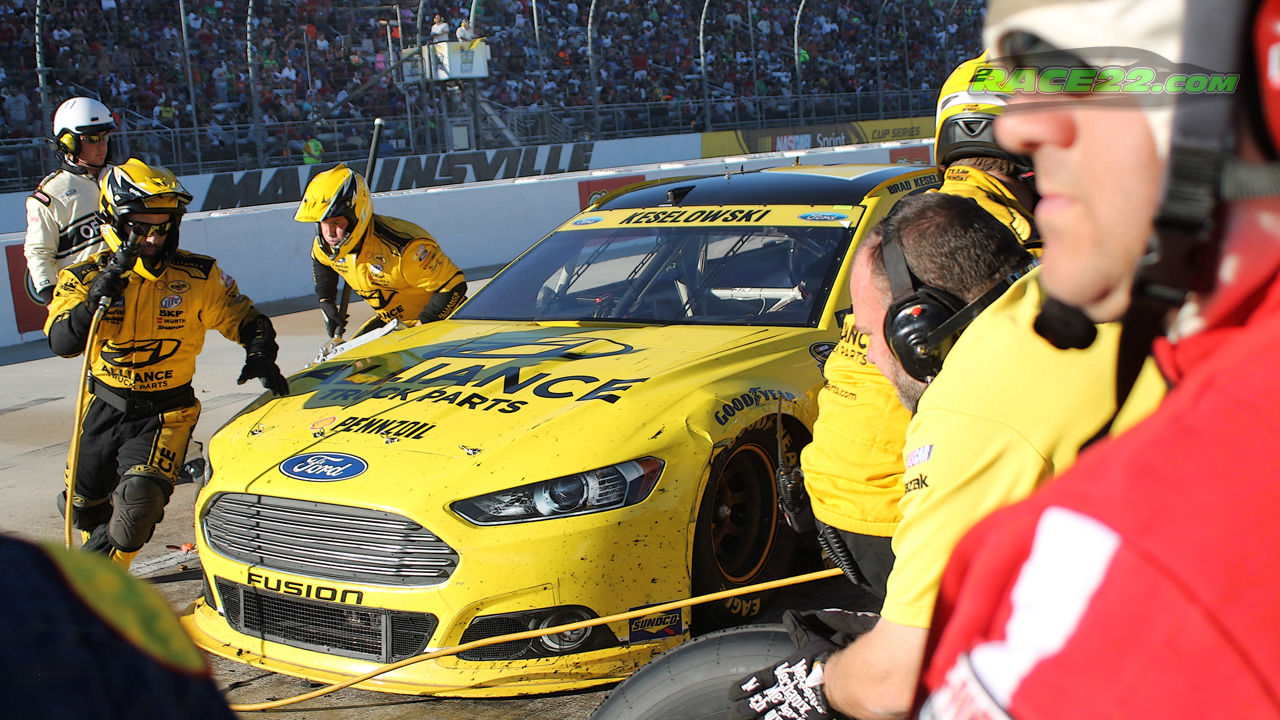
x=692, y=681
x=741, y=537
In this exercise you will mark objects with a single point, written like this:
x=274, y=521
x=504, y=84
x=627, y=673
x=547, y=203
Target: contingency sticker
x=919, y=455
x=655, y=627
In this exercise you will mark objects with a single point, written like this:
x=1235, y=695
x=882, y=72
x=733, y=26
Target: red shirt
x=1144, y=582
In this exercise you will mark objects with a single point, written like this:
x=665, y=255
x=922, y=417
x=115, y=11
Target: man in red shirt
x=1141, y=583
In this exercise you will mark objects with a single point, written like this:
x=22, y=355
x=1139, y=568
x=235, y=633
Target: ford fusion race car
x=595, y=431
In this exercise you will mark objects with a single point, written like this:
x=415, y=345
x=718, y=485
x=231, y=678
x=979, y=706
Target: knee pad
x=139, y=502
x=85, y=514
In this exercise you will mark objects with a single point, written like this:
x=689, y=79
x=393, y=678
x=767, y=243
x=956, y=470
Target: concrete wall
x=478, y=224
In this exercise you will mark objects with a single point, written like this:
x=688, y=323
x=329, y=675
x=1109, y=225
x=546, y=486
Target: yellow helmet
x=135, y=188
x=965, y=123
x=338, y=192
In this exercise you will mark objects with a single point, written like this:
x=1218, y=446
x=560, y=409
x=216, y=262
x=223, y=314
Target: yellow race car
x=594, y=431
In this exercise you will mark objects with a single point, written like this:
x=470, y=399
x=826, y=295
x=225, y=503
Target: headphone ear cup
x=70, y=142
x=907, y=325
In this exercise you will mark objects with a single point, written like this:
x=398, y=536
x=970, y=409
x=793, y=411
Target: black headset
x=923, y=322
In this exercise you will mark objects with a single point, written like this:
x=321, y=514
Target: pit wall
x=479, y=224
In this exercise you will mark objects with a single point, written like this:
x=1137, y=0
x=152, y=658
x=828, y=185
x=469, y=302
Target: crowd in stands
x=313, y=54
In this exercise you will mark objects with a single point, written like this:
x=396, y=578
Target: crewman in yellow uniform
x=160, y=301
x=393, y=264
x=853, y=468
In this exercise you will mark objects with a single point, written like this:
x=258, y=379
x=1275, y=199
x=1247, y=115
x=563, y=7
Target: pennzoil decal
x=655, y=627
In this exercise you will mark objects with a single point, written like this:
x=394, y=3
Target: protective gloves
x=45, y=294
x=111, y=282
x=334, y=322
x=794, y=688
x=257, y=365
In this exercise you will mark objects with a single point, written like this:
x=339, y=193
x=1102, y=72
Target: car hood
x=461, y=395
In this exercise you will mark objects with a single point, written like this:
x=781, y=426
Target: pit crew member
x=62, y=222
x=396, y=266
x=853, y=468
x=1135, y=585
x=160, y=300
x=986, y=429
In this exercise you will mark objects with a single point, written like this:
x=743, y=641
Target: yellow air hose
x=529, y=634
x=73, y=456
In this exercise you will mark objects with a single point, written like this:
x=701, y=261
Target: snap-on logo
x=171, y=301
x=823, y=216
x=323, y=467
x=587, y=221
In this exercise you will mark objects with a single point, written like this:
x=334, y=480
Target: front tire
x=741, y=537
x=692, y=681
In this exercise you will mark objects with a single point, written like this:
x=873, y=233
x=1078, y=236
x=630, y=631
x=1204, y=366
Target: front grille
x=327, y=541
x=335, y=628
x=483, y=628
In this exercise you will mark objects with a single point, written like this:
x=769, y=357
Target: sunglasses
x=1021, y=49
x=141, y=229
x=95, y=138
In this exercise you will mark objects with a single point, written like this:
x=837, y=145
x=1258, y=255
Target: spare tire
x=692, y=681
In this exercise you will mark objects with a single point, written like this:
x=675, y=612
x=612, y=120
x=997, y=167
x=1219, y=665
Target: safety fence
x=227, y=148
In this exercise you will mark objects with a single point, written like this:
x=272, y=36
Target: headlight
x=593, y=491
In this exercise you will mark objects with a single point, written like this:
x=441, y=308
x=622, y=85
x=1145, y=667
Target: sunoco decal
x=823, y=216
x=323, y=467
x=655, y=627
x=821, y=351
x=587, y=221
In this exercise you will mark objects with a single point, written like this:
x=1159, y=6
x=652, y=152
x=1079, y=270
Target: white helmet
x=75, y=117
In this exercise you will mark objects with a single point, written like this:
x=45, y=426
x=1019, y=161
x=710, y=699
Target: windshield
x=734, y=275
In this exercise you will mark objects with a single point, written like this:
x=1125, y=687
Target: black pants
x=113, y=445
x=871, y=555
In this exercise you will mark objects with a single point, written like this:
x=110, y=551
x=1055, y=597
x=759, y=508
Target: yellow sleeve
x=853, y=468
x=960, y=468
x=425, y=266
x=225, y=309
x=67, y=294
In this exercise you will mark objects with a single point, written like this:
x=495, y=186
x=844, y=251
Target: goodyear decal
x=751, y=398
x=702, y=215
x=655, y=627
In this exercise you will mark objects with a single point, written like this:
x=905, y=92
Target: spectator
x=439, y=30
x=464, y=32
x=312, y=150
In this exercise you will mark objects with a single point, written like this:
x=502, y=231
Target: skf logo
x=140, y=354
x=655, y=627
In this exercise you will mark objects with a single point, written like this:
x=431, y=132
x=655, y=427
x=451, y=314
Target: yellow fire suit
x=397, y=267
x=136, y=426
x=62, y=225
x=853, y=468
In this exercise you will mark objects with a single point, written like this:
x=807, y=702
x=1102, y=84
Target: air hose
x=73, y=456
x=530, y=634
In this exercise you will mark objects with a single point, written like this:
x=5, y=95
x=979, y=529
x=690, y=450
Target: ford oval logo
x=323, y=467
x=587, y=221
x=823, y=216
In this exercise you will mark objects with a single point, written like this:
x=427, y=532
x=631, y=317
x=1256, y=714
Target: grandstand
x=326, y=70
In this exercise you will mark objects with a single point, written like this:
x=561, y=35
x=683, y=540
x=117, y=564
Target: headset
x=923, y=322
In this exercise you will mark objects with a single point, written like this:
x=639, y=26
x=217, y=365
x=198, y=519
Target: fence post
x=702, y=52
x=795, y=43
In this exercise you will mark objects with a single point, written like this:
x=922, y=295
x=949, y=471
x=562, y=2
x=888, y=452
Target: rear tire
x=741, y=537
x=692, y=681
